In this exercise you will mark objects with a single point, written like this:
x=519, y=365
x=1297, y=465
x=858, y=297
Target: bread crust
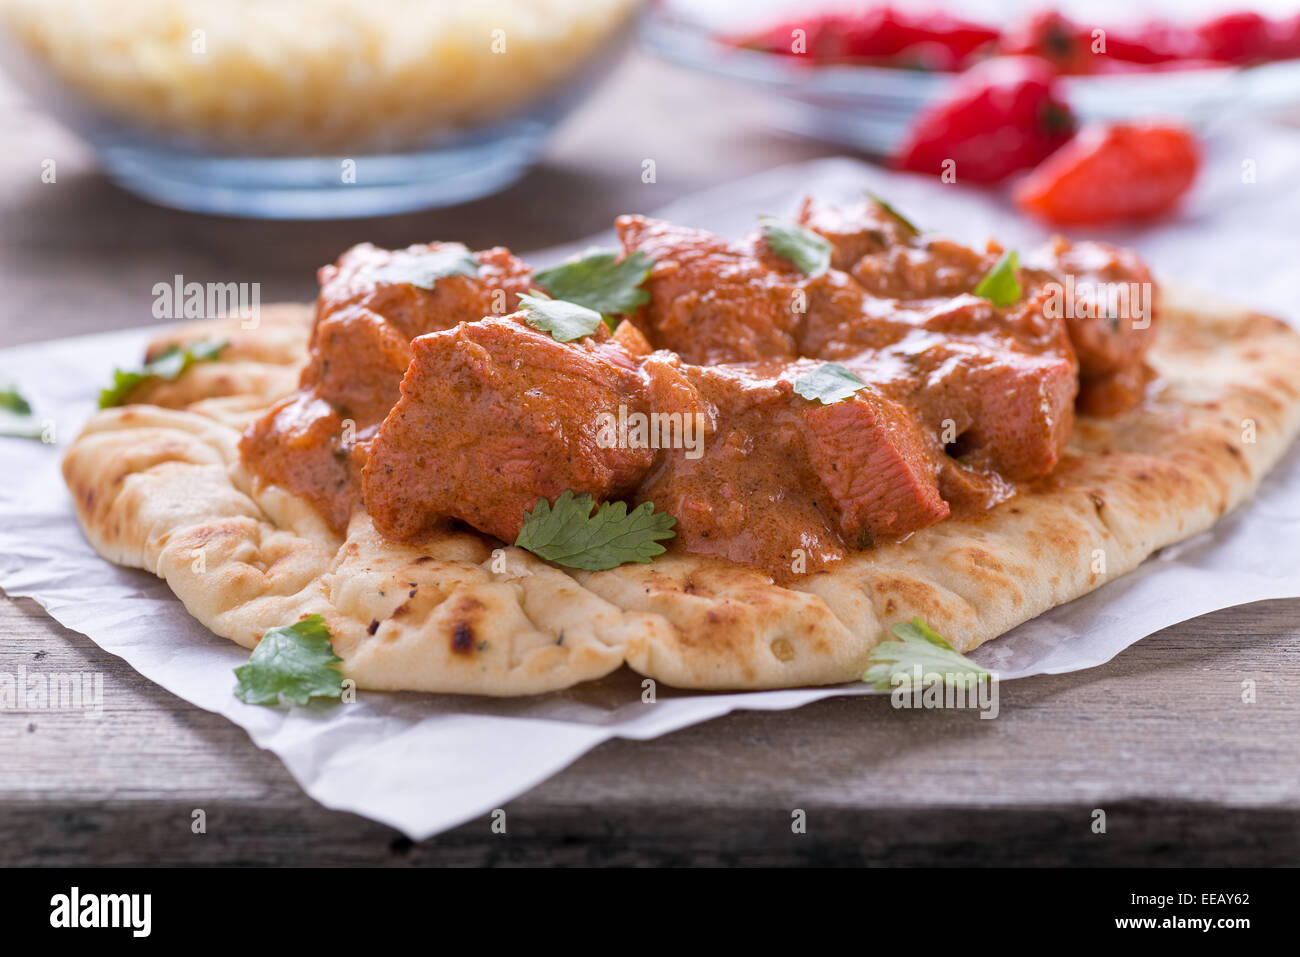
x=160, y=486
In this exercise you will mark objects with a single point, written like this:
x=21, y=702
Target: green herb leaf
x=893, y=212
x=600, y=280
x=294, y=662
x=569, y=534
x=810, y=252
x=829, y=383
x=918, y=644
x=12, y=400
x=173, y=361
x=1000, y=286
x=424, y=270
x=565, y=321
x=16, y=419
x=918, y=629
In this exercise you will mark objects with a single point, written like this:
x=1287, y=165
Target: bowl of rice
x=312, y=108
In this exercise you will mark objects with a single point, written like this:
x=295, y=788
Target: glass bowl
x=306, y=110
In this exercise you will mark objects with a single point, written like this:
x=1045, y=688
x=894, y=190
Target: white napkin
x=425, y=763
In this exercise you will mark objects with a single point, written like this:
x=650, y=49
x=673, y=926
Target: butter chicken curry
x=434, y=395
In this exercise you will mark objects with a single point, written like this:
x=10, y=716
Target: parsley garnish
x=600, y=280
x=565, y=321
x=918, y=644
x=173, y=361
x=16, y=419
x=829, y=383
x=425, y=269
x=569, y=534
x=294, y=662
x=1000, y=286
x=893, y=212
x=808, y=251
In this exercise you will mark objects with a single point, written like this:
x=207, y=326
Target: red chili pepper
x=1153, y=42
x=819, y=37
x=1061, y=42
x=881, y=35
x=1236, y=37
x=1109, y=173
x=933, y=40
x=1284, y=39
x=1000, y=116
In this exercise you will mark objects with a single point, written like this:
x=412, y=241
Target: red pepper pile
x=1000, y=116
x=1006, y=115
x=884, y=36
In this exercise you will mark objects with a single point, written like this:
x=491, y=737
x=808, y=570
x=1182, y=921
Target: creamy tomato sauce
x=428, y=406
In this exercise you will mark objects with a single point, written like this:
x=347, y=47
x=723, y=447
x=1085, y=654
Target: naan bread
x=160, y=486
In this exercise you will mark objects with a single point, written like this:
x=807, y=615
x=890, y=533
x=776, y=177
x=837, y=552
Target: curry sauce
x=433, y=403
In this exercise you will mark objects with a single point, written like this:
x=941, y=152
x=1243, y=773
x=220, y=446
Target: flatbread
x=160, y=486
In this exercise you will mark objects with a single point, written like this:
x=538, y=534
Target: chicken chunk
x=366, y=318
x=712, y=300
x=875, y=466
x=889, y=260
x=786, y=483
x=314, y=442
x=494, y=416
x=368, y=276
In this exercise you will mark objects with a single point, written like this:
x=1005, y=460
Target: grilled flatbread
x=160, y=485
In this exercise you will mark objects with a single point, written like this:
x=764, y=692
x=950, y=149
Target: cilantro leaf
x=810, y=252
x=1000, y=286
x=569, y=534
x=565, y=321
x=918, y=644
x=425, y=269
x=16, y=418
x=294, y=662
x=169, y=365
x=600, y=281
x=829, y=383
x=893, y=212
x=12, y=400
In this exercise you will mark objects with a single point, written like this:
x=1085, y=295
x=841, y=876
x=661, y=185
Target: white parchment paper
x=425, y=763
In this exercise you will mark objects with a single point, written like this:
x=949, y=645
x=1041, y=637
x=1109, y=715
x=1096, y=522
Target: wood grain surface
x=1159, y=738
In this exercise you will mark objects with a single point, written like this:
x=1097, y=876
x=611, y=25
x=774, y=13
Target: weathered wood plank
x=1159, y=737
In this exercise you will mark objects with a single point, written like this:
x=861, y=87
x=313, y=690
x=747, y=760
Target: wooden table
x=1159, y=738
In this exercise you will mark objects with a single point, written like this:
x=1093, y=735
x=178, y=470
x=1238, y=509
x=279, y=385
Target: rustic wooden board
x=1159, y=738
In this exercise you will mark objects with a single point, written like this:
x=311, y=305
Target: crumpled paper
x=425, y=763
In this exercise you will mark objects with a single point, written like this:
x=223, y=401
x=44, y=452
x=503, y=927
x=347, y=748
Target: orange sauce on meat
x=430, y=404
